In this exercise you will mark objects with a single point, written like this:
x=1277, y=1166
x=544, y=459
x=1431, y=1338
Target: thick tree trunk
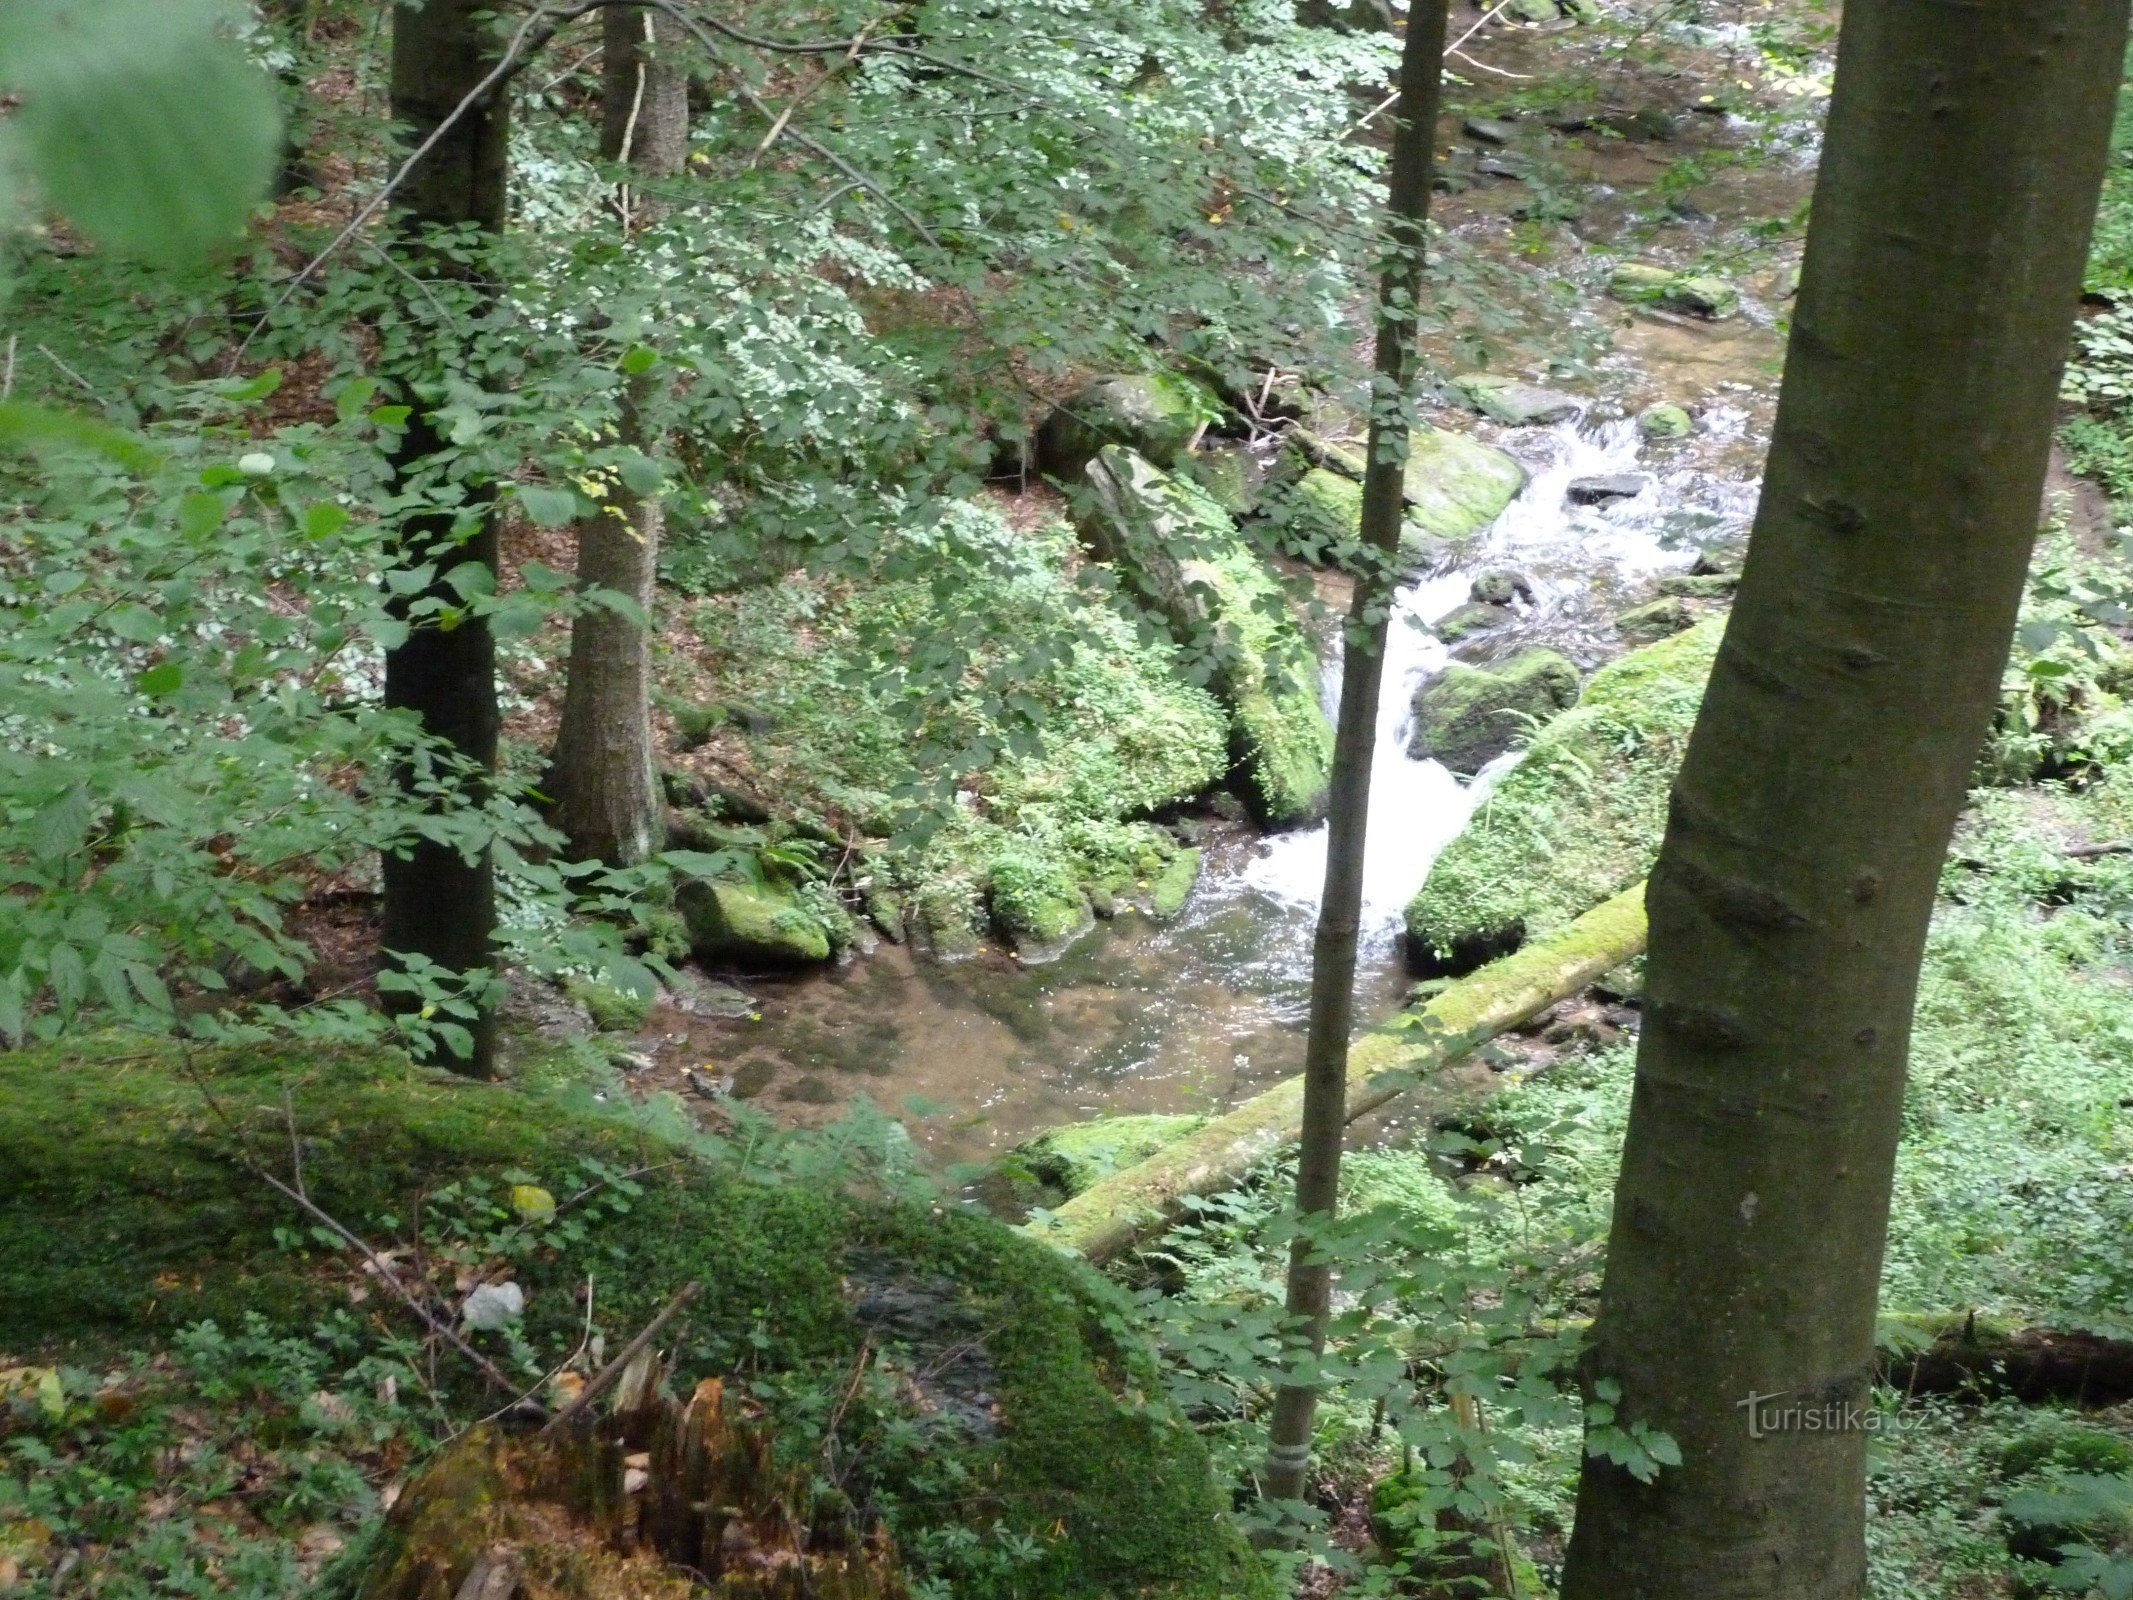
x=1112, y=1216
x=1790, y=902
x=604, y=777
x=439, y=904
x=1325, y=1116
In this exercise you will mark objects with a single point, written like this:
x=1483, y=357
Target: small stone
x=1504, y=166
x=1700, y=585
x=1605, y=490
x=492, y=1306
x=256, y=464
x=1665, y=421
x=1490, y=130
x=1655, y=620
x=813, y=1091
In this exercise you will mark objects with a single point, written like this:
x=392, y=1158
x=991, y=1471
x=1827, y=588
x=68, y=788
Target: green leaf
x=167, y=678
x=152, y=133
x=548, y=508
x=639, y=358
x=324, y=519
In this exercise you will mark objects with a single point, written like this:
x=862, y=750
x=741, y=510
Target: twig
x=755, y=103
x=606, y=1376
x=2089, y=852
x=46, y=352
x=548, y=1377
x=1501, y=72
x=7, y=380
x=859, y=41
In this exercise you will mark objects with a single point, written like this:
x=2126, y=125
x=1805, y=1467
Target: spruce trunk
x=604, y=777
x=1325, y=1113
x=440, y=905
x=1790, y=902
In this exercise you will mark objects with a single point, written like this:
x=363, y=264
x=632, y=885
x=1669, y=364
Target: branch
x=614, y=1369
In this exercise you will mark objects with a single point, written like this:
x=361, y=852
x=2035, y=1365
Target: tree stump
x=659, y=1501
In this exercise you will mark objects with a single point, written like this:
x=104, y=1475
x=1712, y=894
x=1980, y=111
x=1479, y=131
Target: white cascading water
x=1416, y=807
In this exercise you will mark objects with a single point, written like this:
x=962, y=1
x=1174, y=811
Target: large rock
x=1515, y=403
x=1577, y=820
x=1180, y=554
x=760, y=924
x=1038, y=905
x=1468, y=716
x=1456, y=485
x=1154, y=413
x=1641, y=283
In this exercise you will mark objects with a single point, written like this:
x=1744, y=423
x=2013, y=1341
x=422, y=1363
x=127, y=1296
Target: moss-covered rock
x=1467, y=716
x=1456, y=485
x=1654, y=620
x=1700, y=585
x=1181, y=554
x=1578, y=819
x=1154, y=413
x=758, y=923
x=1173, y=885
x=1233, y=477
x=1665, y=421
x=1512, y=402
x=1641, y=283
x=1037, y=904
x=127, y=1215
x=612, y=1010
x=1463, y=622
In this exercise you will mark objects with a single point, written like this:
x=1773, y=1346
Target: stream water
x=1197, y=1013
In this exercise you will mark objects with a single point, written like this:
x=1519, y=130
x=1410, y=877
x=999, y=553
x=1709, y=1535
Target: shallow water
x=1199, y=1013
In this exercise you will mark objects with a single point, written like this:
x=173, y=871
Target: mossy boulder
x=1233, y=477
x=1700, y=585
x=128, y=1215
x=1172, y=886
x=1457, y=485
x=1665, y=421
x=1464, y=622
x=1153, y=413
x=612, y=1010
x=1179, y=553
x=1467, y=716
x=1512, y=402
x=1655, y=619
x=737, y=922
x=1641, y=283
x=1578, y=819
x=1038, y=905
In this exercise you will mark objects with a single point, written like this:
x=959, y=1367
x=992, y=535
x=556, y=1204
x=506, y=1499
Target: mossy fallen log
x=1113, y=1215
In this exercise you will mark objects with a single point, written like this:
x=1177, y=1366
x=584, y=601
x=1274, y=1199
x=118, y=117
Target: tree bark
x=1790, y=902
x=1112, y=1216
x=1325, y=1116
x=439, y=903
x=604, y=777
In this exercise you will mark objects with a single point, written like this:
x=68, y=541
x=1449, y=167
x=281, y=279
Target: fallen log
x=1966, y=1352
x=1118, y=1212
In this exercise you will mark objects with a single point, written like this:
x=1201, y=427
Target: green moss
x=1064, y=1161
x=755, y=923
x=1154, y=413
x=1665, y=421
x=125, y=1217
x=1037, y=902
x=612, y=1010
x=1456, y=486
x=1476, y=616
x=1467, y=716
x=1173, y=885
x=1580, y=817
x=1655, y=619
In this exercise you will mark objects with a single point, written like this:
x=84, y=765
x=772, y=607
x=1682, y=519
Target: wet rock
x=1688, y=211
x=751, y=924
x=1321, y=512
x=1581, y=1029
x=1710, y=563
x=1641, y=283
x=1605, y=490
x=1475, y=617
x=1154, y=413
x=1656, y=619
x=1625, y=122
x=1513, y=403
x=1180, y=551
x=1706, y=296
x=1173, y=886
x=702, y=997
x=1504, y=164
x=1499, y=586
x=1665, y=421
x=1456, y=485
x=1468, y=716
x=1490, y=130
x=1700, y=585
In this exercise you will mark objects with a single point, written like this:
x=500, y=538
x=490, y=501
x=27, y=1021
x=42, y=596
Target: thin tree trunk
x=1369, y=618
x=440, y=905
x=604, y=777
x=1790, y=903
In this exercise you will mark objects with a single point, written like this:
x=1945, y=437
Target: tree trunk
x=439, y=904
x=1110, y=1217
x=1790, y=902
x=1325, y=1115
x=604, y=776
